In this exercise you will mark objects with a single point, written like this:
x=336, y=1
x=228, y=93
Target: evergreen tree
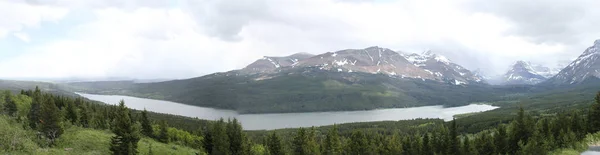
x=312, y=144
x=84, y=120
x=50, y=119
x=332, y=144
x=520, y=132
x=146, y=125
x=485, y=144
x=359, y=144
x=453, y=142
x=300, y=142
x=220, y=139
x=236, y=137
x=427, y=145
x=305, y=142
x=34, y=111
x=164, y=132
x=594, y=116
x=275, y=145
x=468, y=148
x=71, y=114
x=10, y=106
x=127, y=134
x=207, y=141
x=500, y=140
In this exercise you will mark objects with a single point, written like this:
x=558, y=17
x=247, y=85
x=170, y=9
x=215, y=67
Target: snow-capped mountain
x=442, y=68
x=586, y=66
x=271, y=64
x=374, y=60
x=523, y=72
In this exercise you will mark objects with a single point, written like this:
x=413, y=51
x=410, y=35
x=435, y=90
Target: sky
x=176, y=39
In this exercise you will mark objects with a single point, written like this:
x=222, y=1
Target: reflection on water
x=290, y=120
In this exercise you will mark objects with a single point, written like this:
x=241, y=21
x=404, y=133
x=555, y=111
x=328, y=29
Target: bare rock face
x=272, y=64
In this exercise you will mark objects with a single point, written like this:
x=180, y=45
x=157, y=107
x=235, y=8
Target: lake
x=290, y=120
x=593, y=150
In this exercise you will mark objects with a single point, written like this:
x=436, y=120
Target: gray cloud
x=544, y=21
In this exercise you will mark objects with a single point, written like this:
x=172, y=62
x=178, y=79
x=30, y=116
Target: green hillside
x=304, y=91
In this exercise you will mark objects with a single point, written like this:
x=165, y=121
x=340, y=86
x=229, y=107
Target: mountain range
x=351, y=79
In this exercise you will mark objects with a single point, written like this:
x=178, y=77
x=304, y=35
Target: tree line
x=525, y=134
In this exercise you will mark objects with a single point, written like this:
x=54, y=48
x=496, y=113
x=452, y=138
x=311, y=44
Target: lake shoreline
x=270, y=121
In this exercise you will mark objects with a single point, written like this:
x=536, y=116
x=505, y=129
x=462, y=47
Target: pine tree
x=275, y=145
x=34, y=111
x=51, y=124
x=453, y=142
x=164, y=132
x=146, y=125
x=85, y=117
x=594, y=116
x=236, y=137
x=207, y=142
x=393, y=145
x=127, y=134
x=485, y=144
x=10, y=106
x=332, y=144
x=220, y=139
x=500, y=140
x=359, y=144
x=520, y=132
x=305, y=142
x=71, y=114
x=467, y=147
x=300, y=142
x=427, y=144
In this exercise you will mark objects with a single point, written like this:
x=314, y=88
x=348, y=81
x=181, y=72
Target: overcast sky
x=151, y=39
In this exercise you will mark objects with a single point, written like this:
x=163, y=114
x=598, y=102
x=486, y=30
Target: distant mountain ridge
x=373, y=60
x=586, y=66
x=522, y=72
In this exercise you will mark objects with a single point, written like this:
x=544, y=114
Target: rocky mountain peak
x=586, y=66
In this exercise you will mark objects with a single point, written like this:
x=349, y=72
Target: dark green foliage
x=594, y=116
x=453, y=142
x=275, y=144
x=34, y=111
x=9, y=105
x=468, y=147
x=501, y=140
x=332, y=144
x=207, y=142
x=485, y=144
x=163, y=136
x=220, y=140
x=236, y=137
x=72, y=115
x=359, y=144
x=393, y=145
x=51, y=121
x=521, y=131
x=305, y=143
x=126, y=133
x=146, y=125
x=84, y=120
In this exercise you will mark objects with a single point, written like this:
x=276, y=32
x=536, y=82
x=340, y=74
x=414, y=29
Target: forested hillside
x=304, y=90
x=33, y=122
